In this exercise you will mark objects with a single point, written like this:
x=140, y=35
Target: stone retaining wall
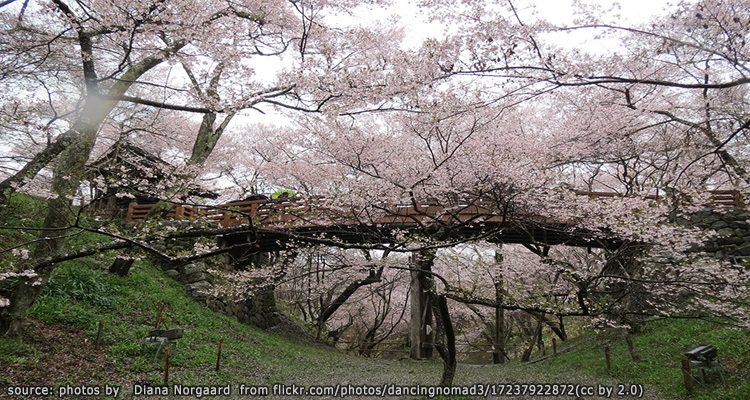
x=260, y=310
x=733, y=229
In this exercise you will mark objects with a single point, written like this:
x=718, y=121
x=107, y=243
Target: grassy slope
x=661, y=348
x=78, y=297
x=59, y=348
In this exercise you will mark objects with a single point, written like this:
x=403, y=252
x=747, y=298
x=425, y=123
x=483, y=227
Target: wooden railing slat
x=286, y=210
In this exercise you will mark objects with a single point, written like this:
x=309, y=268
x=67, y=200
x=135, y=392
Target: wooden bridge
x=292, y=210
x=473, y=219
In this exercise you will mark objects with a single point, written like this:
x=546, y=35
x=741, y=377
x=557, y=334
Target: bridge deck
x=300, y=213
x=276, y=221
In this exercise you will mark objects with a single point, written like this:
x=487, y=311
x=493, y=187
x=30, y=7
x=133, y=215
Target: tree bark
x=443, y=333
x=447, y=349
x=373, y=277
x=68, y=173
x=533, y=340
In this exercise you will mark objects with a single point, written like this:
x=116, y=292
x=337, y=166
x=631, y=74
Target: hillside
x=59, y=348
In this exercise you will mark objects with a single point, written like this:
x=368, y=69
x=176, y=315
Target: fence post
x=687, y=375
x=167, y=351
x=99, y=334
x=608, y=359
x=218, y=355
x=129, y=214
x=159, y=316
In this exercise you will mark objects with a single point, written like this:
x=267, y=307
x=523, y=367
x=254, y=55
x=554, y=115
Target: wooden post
x=498, y=354
x=129, y=215
x=253, y=212
x=631, y=348
x=421, y=337
x=415, y=323
x=99, y=334
x=159, y=316
x=554, y=346
x=167, y=351
x=608, y=359
x=687, y=375
x=218, y=354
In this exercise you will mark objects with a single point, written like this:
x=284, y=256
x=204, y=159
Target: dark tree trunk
x=533, y=340
x=443, y=334
x=447, y=349
x=373, y=277
x=68, y=173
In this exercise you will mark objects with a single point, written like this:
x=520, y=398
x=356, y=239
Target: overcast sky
x=560, y=12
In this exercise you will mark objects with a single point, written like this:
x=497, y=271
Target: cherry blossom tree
x=118, y=46
x=495, y=115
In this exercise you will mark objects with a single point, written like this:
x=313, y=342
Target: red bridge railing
x=291, y=209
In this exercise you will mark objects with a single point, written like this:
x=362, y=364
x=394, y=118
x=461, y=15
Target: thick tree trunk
x=444, y=338
x=67, y=176
x=207, y=138
x=415, y=318
x=444, y=328
x=68, y=173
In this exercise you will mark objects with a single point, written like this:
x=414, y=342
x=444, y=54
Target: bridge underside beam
x=264, y=240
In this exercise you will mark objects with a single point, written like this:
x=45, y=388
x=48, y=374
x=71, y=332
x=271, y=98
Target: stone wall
x=260, y=310
x=733, y=229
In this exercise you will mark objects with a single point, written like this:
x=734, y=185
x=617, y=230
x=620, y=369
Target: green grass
x=79, y=297
x=662, y=346
x=81, y=293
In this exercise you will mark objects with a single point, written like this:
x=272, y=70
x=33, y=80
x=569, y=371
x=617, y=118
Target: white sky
x=561, y=12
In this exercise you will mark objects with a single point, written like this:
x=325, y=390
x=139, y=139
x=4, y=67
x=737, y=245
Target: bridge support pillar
x=421, y=326
x=498, y=348
x=630, y=294
x=260, y=308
